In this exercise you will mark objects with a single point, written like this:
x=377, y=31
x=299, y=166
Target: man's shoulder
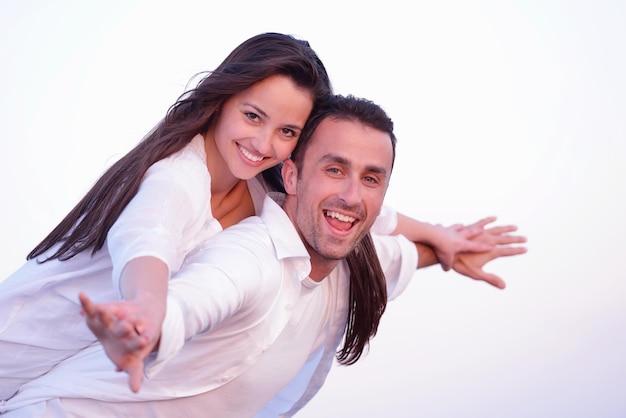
x=270, y=234
x=251, y=232
x=244, y=246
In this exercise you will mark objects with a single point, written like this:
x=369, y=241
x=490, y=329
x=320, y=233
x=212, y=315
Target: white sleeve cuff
x=171, y=342
x=398, y=258
x=386, y=222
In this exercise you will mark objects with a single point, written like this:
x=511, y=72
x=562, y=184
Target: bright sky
x=509, y=108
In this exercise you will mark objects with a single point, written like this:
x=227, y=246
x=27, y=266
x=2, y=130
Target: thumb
x=493, y=280
x=135, y=375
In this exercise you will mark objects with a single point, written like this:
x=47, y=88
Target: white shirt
x=40, y=324
x=239, y=298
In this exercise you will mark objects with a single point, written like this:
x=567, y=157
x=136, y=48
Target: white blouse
x=40, y=321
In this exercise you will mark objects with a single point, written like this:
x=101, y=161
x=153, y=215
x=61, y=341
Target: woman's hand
x=500, y=238
x=126, y=332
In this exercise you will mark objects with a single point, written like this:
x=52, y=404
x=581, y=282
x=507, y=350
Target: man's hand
x=471, y=264
x=457, y=238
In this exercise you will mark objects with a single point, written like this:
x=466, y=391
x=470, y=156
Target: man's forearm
x=425, y=255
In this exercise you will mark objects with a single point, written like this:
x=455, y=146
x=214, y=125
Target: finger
x=87, y=305
x=509, y=239
x=140, y=326
x=445, y=260
x=128, y=335
x=491, y=279
x=503, y=229
x=471, y=231
x=478, y=247
x=136, y=343
x=135, y=375
x=105, y=318
x=495, y=281
x=509, y=251
x=456, y=227
x=481, y=275
x=138, y=323
x=123, y=329
x=484, y=222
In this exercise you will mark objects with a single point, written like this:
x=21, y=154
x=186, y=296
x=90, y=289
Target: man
x=257, y=314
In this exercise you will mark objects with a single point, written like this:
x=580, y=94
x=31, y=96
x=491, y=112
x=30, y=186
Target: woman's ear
x=290, y=176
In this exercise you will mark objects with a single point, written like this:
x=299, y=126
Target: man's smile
x=340, y=221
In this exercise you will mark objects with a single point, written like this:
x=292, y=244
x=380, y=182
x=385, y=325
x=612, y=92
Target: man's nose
x=351, y=191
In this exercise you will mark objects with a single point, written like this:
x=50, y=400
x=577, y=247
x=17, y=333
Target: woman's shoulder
x=190, y=160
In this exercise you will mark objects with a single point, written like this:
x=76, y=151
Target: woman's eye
x=289, y=132
x=252, y=116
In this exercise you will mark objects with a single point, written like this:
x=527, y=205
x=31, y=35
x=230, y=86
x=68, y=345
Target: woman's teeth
x=250, y=156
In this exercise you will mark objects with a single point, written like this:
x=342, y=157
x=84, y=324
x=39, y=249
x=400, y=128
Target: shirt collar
x=283, y=233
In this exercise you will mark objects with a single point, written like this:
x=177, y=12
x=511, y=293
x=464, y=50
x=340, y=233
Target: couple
x=256, y=314
x=148, y=222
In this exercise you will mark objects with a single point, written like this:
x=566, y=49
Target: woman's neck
x=230, y=198
x=222, y=179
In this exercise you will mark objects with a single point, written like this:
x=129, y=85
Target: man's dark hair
x=349, y=108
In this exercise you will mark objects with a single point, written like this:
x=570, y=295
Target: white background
x=509, y=108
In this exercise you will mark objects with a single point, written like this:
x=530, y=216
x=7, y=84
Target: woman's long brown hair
x=87, y=224
x=368, y=300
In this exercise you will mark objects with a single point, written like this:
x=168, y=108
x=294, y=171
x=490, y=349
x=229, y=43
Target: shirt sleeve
x=398, y=259
x=171, y=197
x=214, y=285
x=386, y=222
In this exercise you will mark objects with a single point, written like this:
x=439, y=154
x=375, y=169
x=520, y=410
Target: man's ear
x=290, y=176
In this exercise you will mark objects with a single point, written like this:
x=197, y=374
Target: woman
x=191, y=176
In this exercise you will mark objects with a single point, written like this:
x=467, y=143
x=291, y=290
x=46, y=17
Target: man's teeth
x=249, y=156
x=339, y=216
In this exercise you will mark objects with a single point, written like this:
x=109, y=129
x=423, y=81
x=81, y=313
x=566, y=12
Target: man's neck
x=320, y=267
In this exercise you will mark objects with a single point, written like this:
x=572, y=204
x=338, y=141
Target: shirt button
x=289, y=307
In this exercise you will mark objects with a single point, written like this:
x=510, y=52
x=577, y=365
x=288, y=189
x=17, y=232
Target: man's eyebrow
x=333, y=158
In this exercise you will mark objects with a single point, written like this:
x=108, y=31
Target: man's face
x=340, y=188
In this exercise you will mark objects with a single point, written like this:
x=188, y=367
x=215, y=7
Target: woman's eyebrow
x=256, y=109
x=265, y=115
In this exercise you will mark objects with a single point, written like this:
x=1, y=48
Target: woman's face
x=259, y=127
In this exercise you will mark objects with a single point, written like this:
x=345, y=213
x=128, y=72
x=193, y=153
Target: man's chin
x=337, y=254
